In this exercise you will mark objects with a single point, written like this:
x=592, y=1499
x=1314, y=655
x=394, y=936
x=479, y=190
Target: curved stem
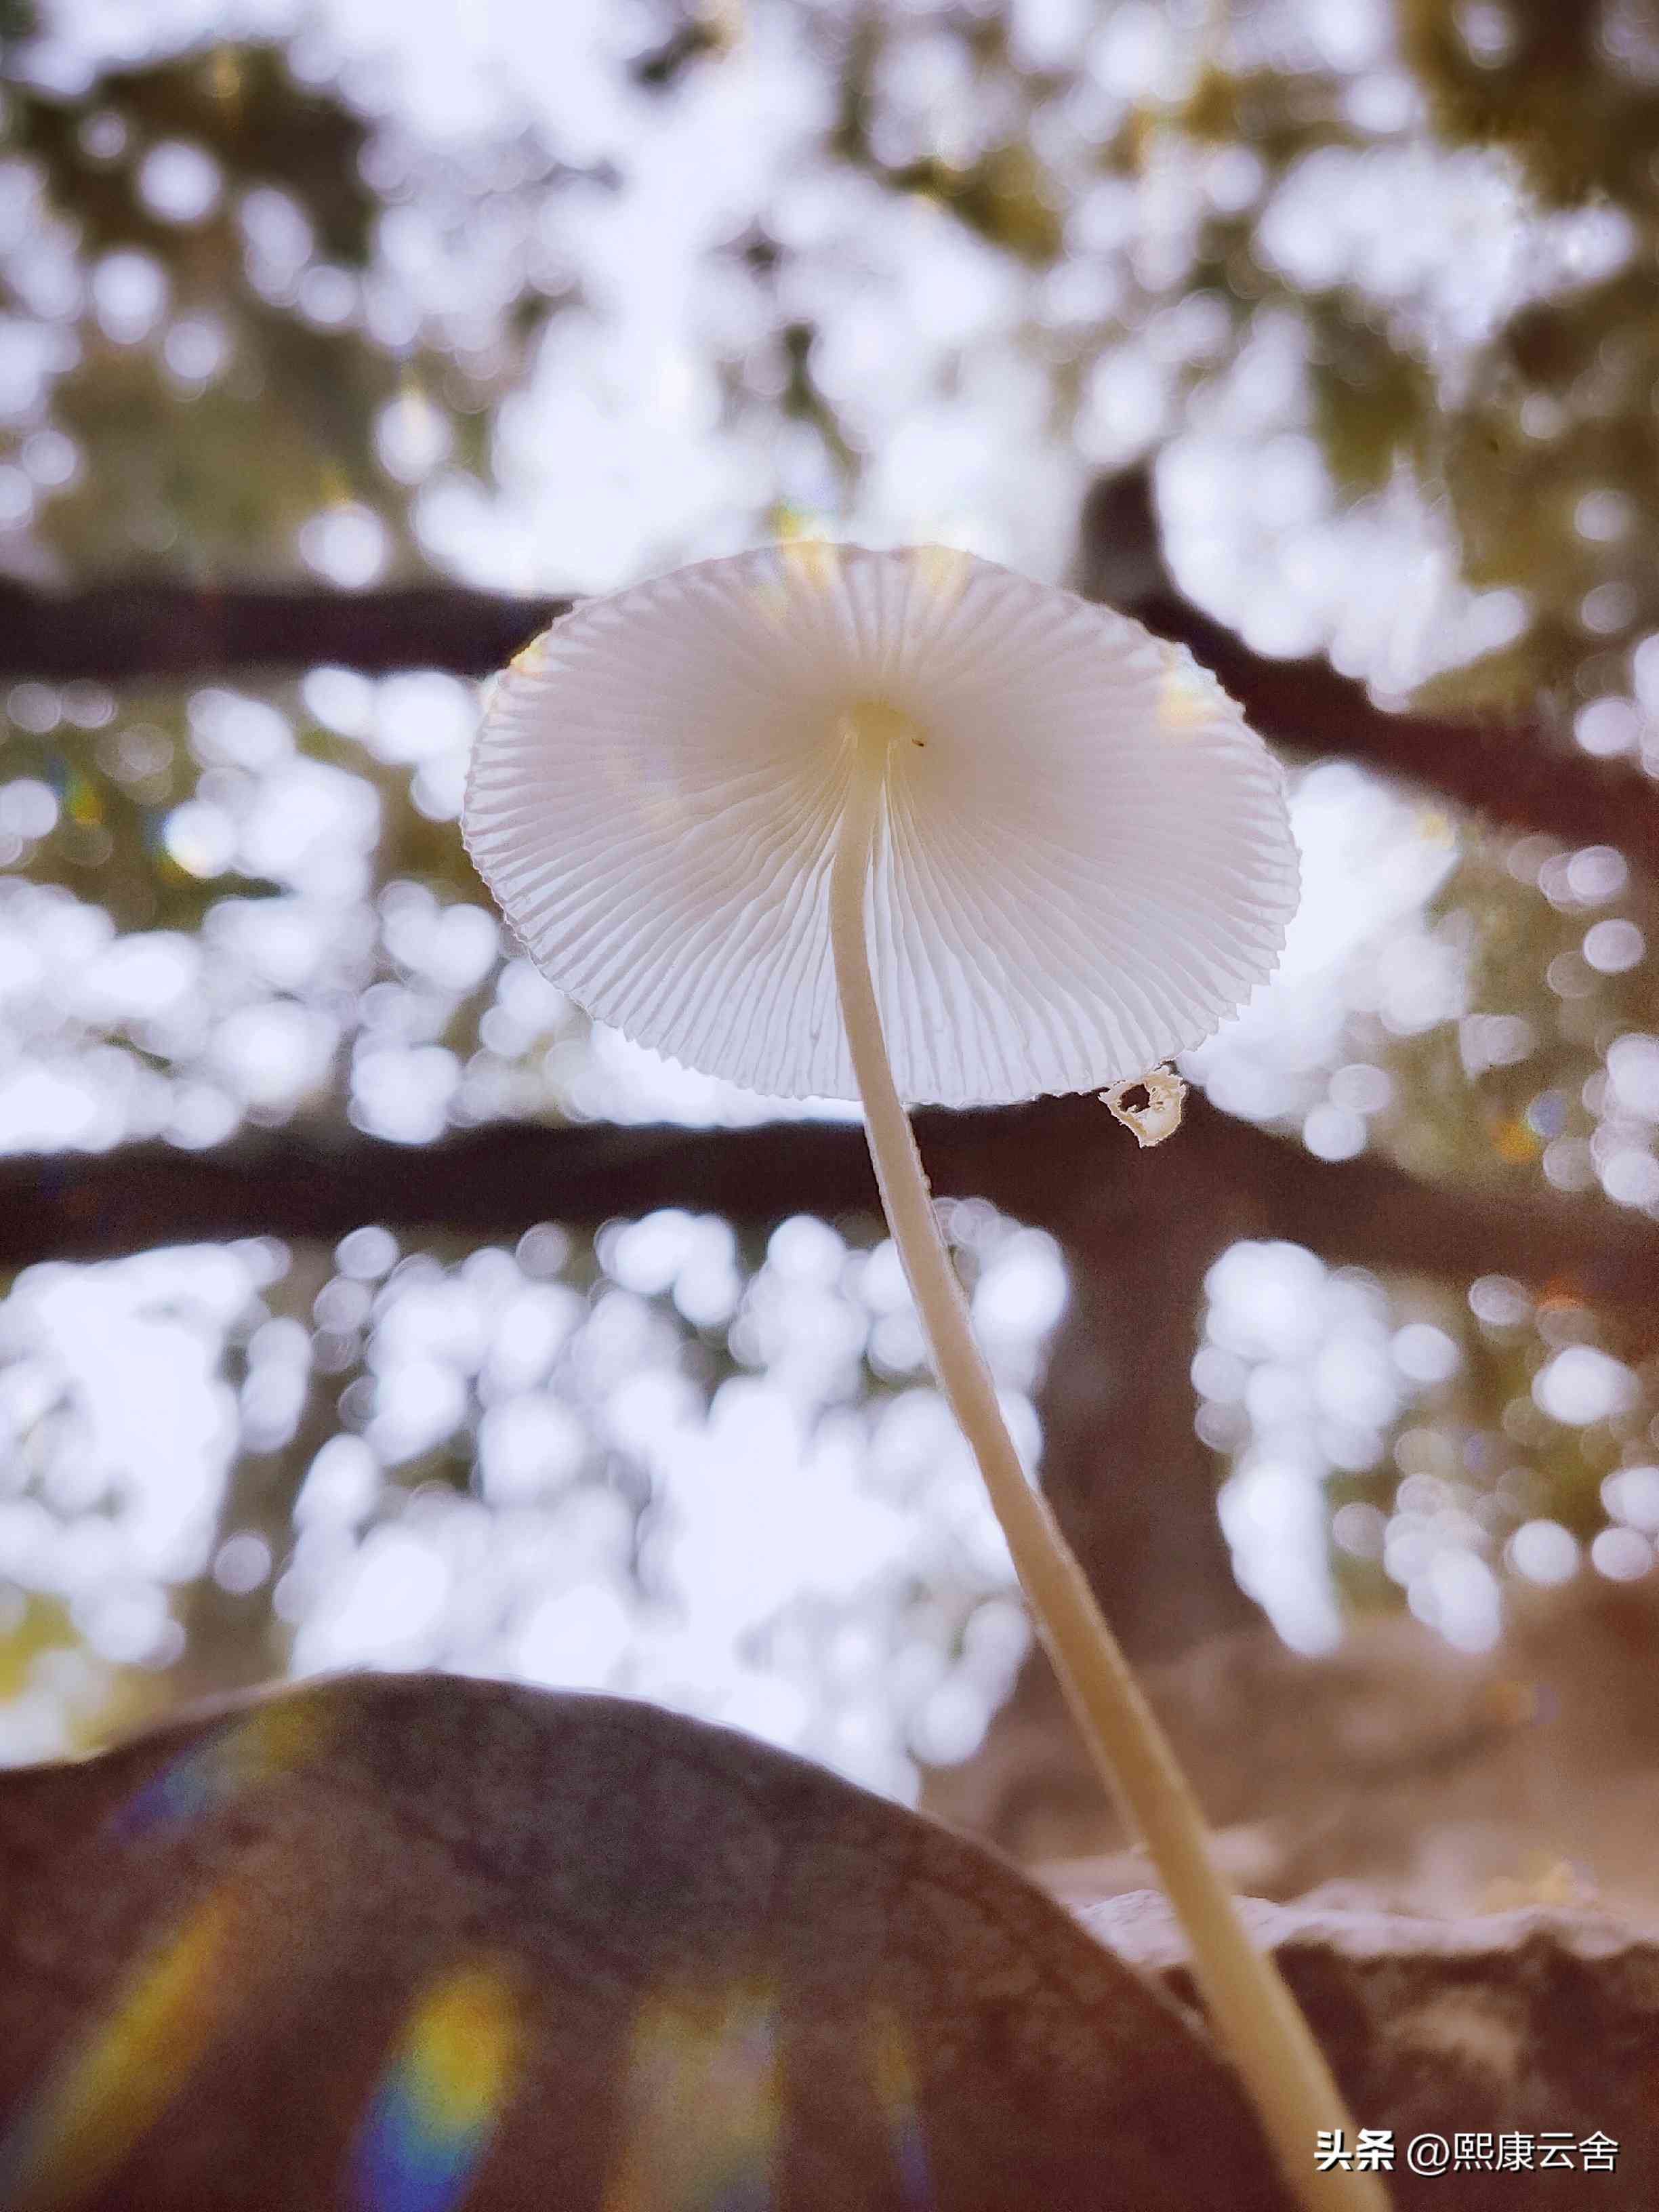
x=1257, y=2017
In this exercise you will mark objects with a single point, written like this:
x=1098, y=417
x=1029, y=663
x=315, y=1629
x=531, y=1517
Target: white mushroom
x=1079, y=863
x=904, y=826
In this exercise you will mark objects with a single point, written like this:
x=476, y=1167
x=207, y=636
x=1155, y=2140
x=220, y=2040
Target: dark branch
x=1514, y=773
x=128, y=633
x=1518, y=773
x=1511, y=773
x=1062, y=1163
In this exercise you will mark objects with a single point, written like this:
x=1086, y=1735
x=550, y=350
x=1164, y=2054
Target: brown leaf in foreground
x=397, y=1942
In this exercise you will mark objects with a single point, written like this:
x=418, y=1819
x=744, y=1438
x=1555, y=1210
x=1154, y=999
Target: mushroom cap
x=1082, y=866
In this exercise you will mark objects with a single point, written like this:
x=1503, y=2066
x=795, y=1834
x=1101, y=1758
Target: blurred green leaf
x=238, y=102
x=1540, y=79
x=1373, y=401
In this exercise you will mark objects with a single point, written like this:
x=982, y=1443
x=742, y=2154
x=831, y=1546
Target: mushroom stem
x=1257, y=2019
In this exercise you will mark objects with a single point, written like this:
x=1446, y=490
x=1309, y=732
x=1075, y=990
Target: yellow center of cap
x=877, y=728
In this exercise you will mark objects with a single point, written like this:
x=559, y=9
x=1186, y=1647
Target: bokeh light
x=605, y=323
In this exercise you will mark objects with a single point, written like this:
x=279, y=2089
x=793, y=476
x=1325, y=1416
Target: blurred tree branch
x=1060, y=1163
x=1519, y=772
x=156, y=632
x=1139, y=1230
x=1512, y=772
x=1515, y=773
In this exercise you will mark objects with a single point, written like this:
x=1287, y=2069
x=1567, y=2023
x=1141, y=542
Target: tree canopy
x=1328, y=347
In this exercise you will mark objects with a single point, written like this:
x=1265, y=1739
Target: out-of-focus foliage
x=96, y=816
x=215, y=364
x=1521, y=391
x=882, y=270
x=1569, y=91
x=1537, y=422
x=665, y=1462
